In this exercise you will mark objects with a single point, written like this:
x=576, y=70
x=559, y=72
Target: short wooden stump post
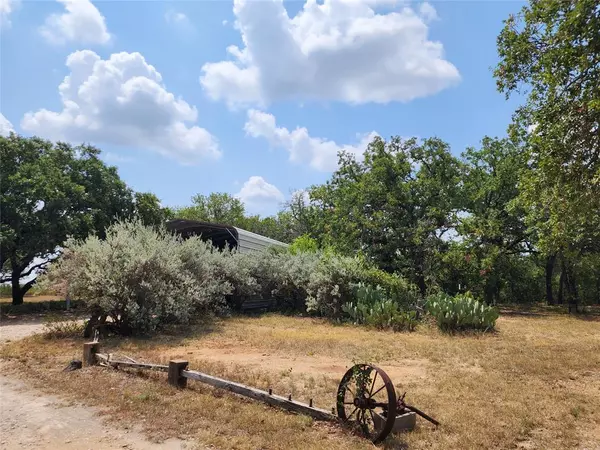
x=89, y=353
x=175, y=377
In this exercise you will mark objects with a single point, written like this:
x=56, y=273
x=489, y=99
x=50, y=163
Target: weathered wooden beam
x=101, y=357
x=89, y=353
x=257, y=394
x=131, y=365
x=175, y=378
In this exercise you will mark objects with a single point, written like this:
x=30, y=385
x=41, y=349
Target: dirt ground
x=533, y=384
x=32, y=420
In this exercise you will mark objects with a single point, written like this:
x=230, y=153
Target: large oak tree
x=50, y=192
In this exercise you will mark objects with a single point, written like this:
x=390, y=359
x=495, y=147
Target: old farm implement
x=366, y=399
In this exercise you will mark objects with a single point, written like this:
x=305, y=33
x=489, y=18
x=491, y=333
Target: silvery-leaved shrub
x=139, y=278
x=461, y=312
x=237, y=270
x=330, y=284
x=294, y=272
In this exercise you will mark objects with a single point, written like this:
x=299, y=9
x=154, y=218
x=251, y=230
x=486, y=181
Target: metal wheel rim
x=379, y=434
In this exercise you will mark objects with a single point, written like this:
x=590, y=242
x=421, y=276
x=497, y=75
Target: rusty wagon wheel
x=366, y=400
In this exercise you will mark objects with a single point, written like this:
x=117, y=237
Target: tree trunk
x=561, y=283
x=17, y=292
x=598, y=289
x=421, y=284
x=549, y=273
x=571, y=285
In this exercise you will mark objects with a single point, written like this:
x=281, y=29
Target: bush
x=294, y=273
x=139, y=278
x=396, y=288
x=303, y=244
x=330, y=284
x=461, y=312
x=372, y=308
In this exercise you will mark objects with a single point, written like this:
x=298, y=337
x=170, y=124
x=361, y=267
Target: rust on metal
x=403, y=407
x=367, y=402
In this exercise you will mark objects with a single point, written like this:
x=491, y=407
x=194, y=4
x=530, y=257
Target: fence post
x=89, y=353
x=175, y=368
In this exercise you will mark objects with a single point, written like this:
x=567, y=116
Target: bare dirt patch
x=309, y=365
x=29, y=420
x=14, y=330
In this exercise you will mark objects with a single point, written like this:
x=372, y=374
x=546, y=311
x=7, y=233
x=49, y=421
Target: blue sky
x=153, y=85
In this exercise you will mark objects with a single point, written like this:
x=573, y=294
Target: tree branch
x=24, y=274
x=27, y=286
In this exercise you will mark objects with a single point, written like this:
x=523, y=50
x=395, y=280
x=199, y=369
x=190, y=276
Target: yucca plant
x=461, y=312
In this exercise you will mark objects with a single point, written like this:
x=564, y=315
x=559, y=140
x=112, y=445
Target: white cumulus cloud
x=5, y=126
x=179, y=21
x=123, y=101
x=257, y=193
x=339, y=50
x=319, y=153
x=81, y=23
x=174, y=17
x=6, y=8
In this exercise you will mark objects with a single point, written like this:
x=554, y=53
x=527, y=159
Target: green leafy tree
x=551, y=51
x=149, y=210
x=494, y=226
x=299, y=216
x=51, y=192
x=218, y=207
x=394, y=206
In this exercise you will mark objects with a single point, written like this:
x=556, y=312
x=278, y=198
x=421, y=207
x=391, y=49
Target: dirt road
x=12, y=329
x=32, y=420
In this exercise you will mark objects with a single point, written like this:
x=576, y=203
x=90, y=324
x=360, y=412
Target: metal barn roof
x=223, y=235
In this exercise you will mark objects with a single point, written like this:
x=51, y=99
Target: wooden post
x=174, y=375
x=89, y=353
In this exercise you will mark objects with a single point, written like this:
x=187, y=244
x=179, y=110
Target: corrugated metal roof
x=248, y=241
x=221, y=235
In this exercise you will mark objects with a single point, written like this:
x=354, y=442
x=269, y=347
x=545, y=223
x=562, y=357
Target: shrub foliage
x=373, y=307
x=139, y=279
x=461, y=312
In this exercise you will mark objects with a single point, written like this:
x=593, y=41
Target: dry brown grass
x=533, y=384
x=33, y=299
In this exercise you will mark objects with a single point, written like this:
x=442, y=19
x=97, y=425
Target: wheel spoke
x=363, y=423
x=372, y=418
x=377, y=390
x=352, y=413
x=373, y=385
